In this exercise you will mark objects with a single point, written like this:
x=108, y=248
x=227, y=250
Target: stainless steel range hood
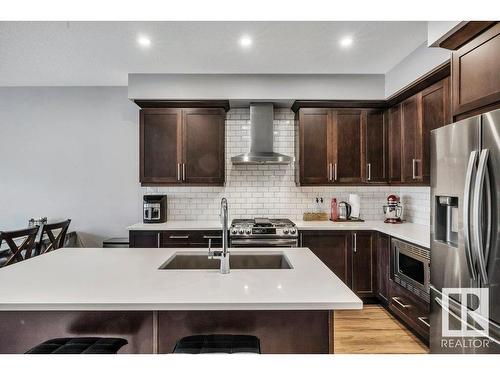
x=262, y=134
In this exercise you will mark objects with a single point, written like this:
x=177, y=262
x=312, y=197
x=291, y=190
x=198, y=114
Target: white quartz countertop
x=415, y=233
x=130, y=279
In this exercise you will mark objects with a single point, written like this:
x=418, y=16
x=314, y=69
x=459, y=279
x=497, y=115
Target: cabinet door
x=160, y=154
x=203, y=146
x=394, y=140
x=363, y=264
x=139, y=238
x=347, y=146
x=314, y=148
x=383, y=266
x=375, y=146
x=332, y=248
x=435, y=113
x=411, y=140
x=476, y=74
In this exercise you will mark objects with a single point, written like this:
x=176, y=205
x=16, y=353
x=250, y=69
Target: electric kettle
x=344, y=211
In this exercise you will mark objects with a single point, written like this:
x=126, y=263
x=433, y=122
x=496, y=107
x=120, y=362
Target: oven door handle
x=265, y=242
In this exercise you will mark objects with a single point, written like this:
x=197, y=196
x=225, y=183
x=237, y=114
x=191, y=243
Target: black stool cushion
x=79, y=345
x=229, y=344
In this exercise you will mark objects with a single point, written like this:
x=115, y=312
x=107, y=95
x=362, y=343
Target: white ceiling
x=103, y=53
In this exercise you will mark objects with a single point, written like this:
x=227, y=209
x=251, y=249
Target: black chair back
x=55, y=241
x=23, y=251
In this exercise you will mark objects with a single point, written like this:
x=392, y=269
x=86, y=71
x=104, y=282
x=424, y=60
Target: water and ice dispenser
x=446, y=220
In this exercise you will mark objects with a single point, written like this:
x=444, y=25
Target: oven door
x=412, y=268
x=263, y=242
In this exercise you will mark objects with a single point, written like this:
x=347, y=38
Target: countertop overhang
x=129, y=279
x=415, y=233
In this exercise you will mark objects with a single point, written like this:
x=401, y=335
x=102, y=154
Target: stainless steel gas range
x=263, y=232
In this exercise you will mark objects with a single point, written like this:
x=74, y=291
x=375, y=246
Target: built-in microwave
x=411, y=267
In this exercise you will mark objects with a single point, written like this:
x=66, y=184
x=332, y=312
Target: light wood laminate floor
x=373, y=330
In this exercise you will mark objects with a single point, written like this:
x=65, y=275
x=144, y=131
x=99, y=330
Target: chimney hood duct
x=262, y=134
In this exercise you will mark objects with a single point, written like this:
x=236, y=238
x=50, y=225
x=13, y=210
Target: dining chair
x=56, y=235
x=24, y=250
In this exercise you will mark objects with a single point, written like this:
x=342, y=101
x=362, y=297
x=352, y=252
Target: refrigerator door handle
x=478, y=213
x=470, y=175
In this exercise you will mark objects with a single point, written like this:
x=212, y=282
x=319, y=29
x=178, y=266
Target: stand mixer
x=393, y=210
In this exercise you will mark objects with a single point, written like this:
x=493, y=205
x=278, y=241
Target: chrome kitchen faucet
x=222, y=254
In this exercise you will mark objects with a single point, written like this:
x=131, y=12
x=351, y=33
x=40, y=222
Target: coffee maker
x=393, y=210
x=154, y=209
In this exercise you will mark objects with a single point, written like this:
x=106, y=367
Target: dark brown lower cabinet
x=364, y=266
x=410, y=309
x=350, y=255
x=177, y=238
x=332, y=248
x=383, y=267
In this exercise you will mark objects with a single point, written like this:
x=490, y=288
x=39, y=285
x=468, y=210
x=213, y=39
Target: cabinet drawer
x=410, y=309
x=191, y=238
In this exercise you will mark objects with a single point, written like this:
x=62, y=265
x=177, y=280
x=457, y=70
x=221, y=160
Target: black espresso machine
x=154, y=209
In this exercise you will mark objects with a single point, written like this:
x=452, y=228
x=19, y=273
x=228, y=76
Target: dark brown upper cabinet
x=160, y=145
x=409, y=129
x=314, y=148
x=411, y=139
x=203, y=141
x=435, y=113
x=182, y=146
x=330, y=146
x=476, y=75
x=347, y=147
x=394, y=140
x=375, y=144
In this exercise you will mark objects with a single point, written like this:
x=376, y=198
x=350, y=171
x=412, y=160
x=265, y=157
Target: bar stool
x=79, y=345
x=20, y=252
x=229, y=344
x=55, y=241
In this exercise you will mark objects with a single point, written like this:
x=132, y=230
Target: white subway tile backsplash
x=270, y=190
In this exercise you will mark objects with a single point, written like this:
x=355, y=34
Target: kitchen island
x=124, y=293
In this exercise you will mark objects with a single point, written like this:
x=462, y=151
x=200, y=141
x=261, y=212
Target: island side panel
x=280, y=332
x=22, y=330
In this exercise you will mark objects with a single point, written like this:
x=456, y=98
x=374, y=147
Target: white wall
x=415, y=65
x=256, y=86
x=69, y=152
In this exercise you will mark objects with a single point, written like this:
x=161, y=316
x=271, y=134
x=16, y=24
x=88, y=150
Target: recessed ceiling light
x=245, y=41
x=144, y=41
x=346, y=41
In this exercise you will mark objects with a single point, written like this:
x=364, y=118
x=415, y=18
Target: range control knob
x=248, y=231
x=234, y=231
x=241, y=231
x=285, y=230
x=293, y=230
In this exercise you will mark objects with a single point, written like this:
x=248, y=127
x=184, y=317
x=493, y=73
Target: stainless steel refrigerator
x=465, y=235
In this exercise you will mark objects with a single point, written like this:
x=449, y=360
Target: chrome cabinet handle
x=369, y=166
x=158, y=240
x=355, y=246
x=178, y=171
x=178, y=237
x=329, y=171
x=183, y=171
x=477, y=213
x=212, y=237
x=470, y=175
x=414, y=167
x=424, y=319
x=335, y=172
x=404, y=306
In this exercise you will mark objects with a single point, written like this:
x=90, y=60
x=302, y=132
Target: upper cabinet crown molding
x=298, y=104
x=464, y=34
x=183, y=104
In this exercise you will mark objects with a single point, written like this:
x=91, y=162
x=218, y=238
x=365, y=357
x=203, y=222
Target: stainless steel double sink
x=237, y=261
